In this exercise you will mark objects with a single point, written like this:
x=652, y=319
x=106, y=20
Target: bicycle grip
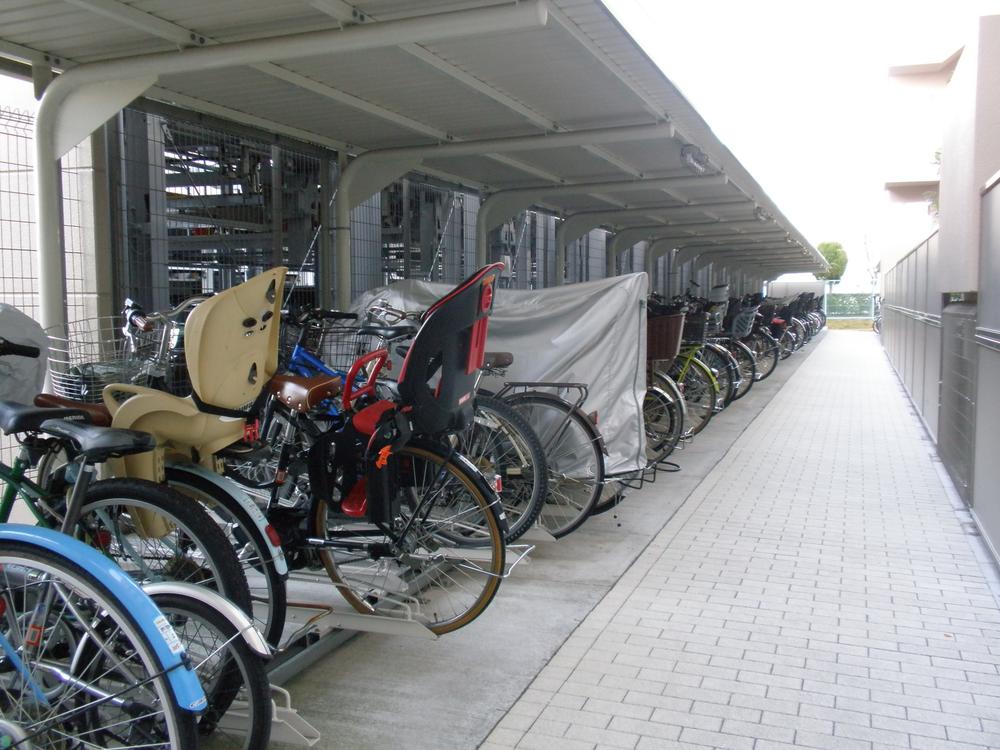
x=18, y=350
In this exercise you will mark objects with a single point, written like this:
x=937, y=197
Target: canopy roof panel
x=579, y=71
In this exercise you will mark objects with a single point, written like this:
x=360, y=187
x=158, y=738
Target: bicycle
x=497, y=441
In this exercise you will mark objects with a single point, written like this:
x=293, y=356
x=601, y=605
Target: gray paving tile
x=816, y=590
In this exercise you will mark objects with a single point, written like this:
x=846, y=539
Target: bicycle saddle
x=304, y=393
x=100, y=443
x=97, y=414
x=498, y=359
x=15, y=417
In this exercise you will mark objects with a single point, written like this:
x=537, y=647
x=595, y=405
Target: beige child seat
x=231, y=346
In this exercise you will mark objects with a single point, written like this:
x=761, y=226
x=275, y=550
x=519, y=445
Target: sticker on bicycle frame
x=169, y=635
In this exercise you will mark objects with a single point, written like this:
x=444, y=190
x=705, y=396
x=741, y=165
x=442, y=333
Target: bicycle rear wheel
x=573, y=453
x=502, y=444
x=155, y=534
x=55, y=671
x=665, y=383
x=267, y=587
x=229, y=671
x=439, y=561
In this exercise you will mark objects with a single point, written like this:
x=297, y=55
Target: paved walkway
x=818, y=589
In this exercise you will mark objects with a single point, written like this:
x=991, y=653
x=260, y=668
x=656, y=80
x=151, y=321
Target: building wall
x=970, y=154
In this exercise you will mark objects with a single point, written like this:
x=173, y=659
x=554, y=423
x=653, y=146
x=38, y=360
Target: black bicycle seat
x=100, y=443
x=389, y=332
x=15, y=417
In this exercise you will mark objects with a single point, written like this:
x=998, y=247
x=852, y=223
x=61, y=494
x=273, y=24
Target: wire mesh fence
x=18, y=249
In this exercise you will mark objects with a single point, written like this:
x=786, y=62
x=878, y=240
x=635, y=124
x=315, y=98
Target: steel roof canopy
x=514, y=98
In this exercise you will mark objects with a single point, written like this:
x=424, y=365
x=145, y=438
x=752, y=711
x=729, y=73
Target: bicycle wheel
x=268, y=592
x=747, y=364
x=502, y=444
x=700, y=389
x=659, y=418
x=58, y=674
x=666, y=384
x=573, y=453
x=767, y=352
x=787, y=343
x=229, y=671
x=155, y=534
x=441, y=559
x=801, y=334
x=724, y=368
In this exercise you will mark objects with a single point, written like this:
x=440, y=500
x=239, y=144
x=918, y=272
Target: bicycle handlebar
x=306, y=315
x=18, y=350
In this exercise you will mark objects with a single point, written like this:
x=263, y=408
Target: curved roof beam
x=85, y=96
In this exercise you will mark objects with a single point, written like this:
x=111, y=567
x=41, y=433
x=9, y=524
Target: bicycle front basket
x=695, y=327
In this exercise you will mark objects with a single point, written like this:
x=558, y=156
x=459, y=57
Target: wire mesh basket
x=95, y=354
x=336, y=344
x=695, y=327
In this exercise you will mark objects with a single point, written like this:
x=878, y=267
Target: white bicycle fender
x=236, y=616
x=246, y=502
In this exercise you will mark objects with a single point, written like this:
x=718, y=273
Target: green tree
x=836, y=257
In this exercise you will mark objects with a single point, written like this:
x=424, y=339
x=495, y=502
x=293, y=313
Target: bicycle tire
x=501, y=443
x=801, y=334
x=401, y=582
x=787, y=343
x=227, y=668
x=574, y=455
x=747, y=363
x=658, y=419
x=724, y=368
x=108, y=522
x=267, y=586
x=767, y=352
x=666, y=384
x=700, y=389
x=122, y=636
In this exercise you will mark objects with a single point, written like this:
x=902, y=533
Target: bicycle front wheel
x=747, y=363
x=573, y=453
x=700, y=390
x=68, y=644
x=439, y=561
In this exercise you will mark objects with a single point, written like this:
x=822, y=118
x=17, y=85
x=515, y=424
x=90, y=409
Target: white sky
x=792, y=87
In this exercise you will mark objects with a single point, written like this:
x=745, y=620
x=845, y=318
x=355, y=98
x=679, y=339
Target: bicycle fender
x=245, y=502
x=236, y=616
x=164, y=641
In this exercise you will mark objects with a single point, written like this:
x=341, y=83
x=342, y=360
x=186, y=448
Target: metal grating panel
x=957, y=425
